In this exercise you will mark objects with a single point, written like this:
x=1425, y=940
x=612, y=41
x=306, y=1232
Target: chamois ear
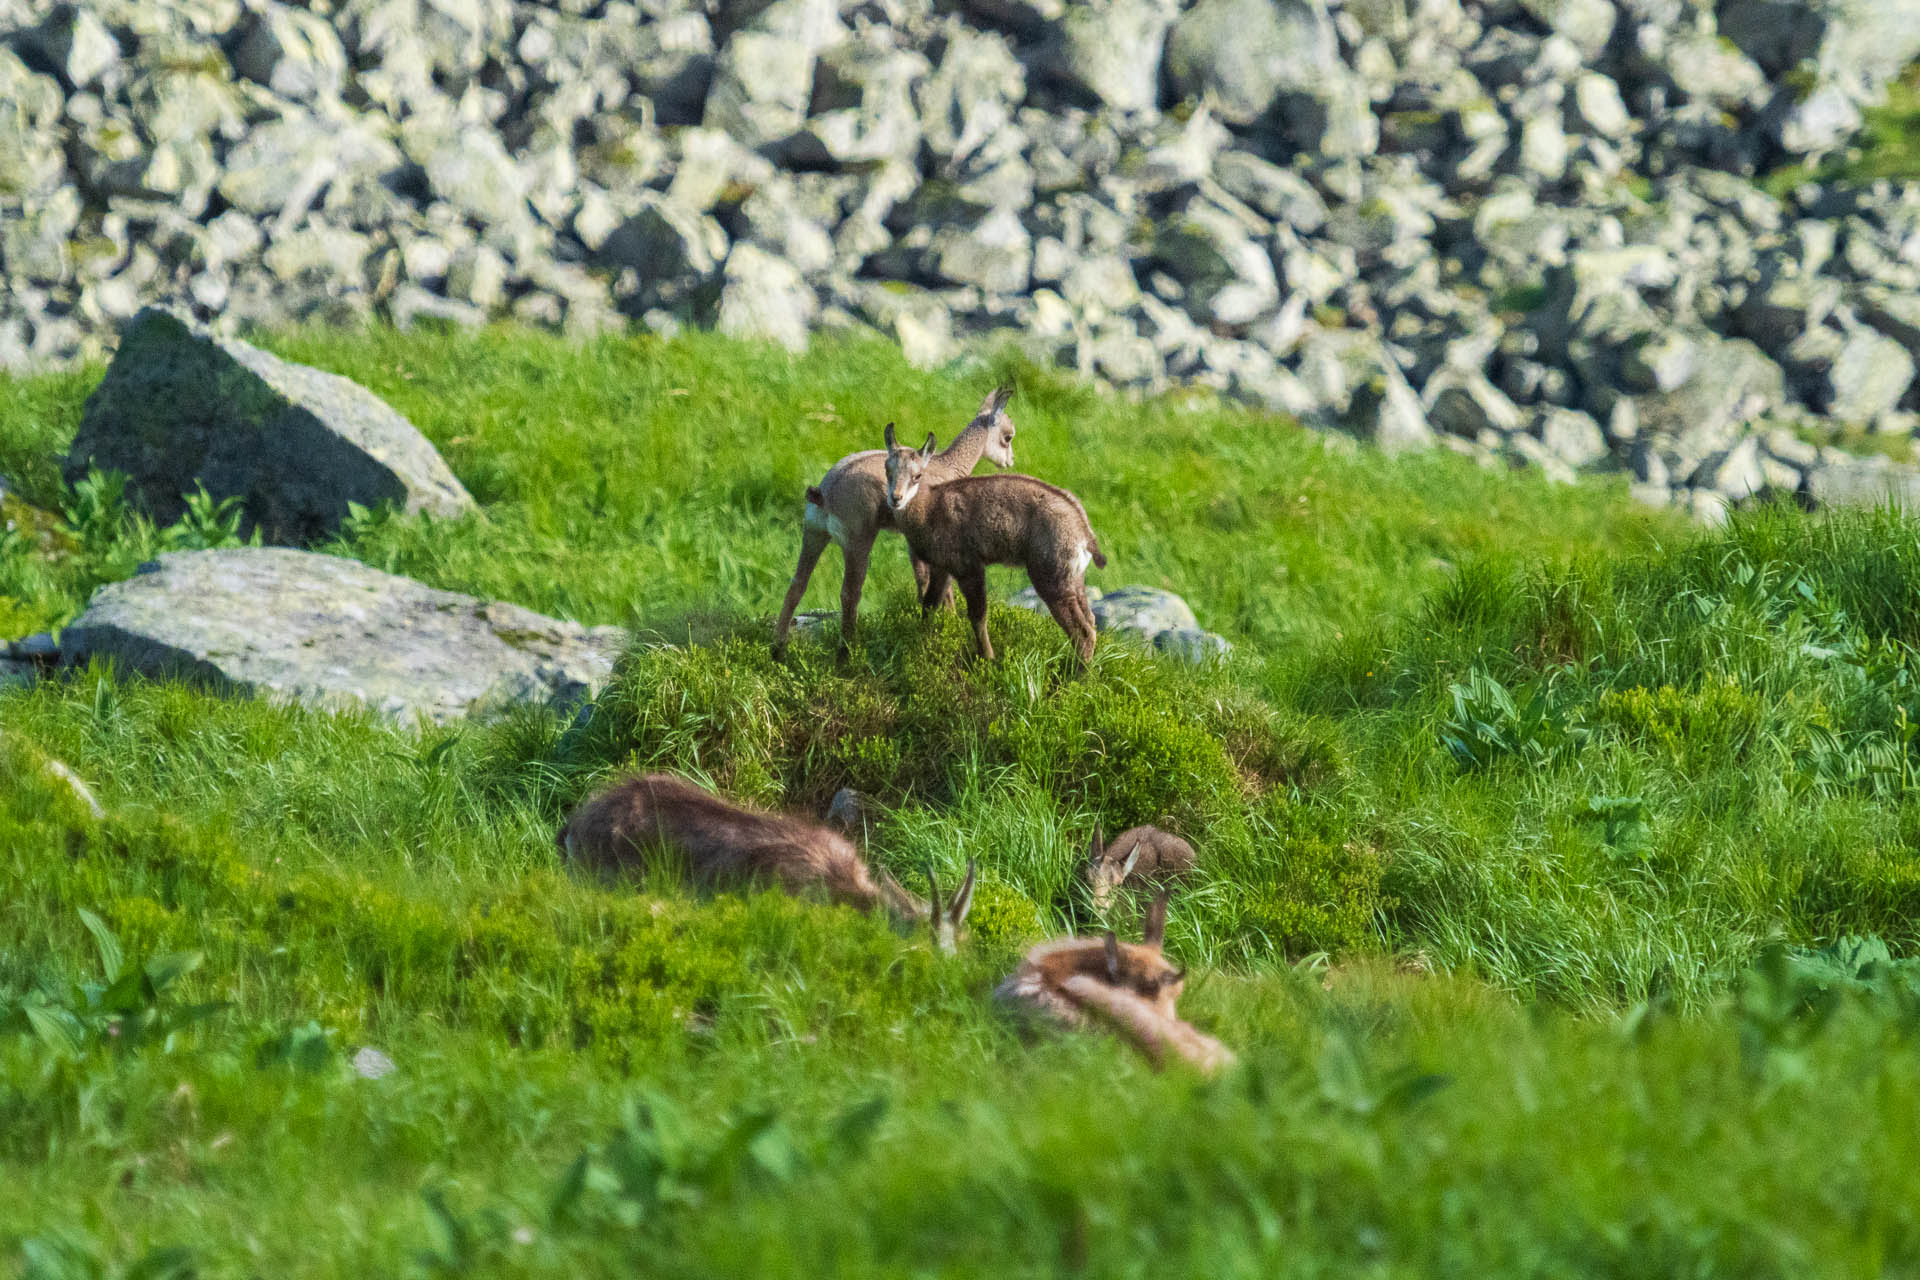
x=1113, y=958
x=928, y=449
x=996, y=400
x=933, y=896
x=1133, y=856
x=1156, y=931
x=962, y=898
x=1097, y=847
x=889, y=435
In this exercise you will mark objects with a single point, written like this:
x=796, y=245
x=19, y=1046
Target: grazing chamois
x=1130, y=986
x=962, y=526
x=1137, y=855
x=630, y=823
x=849, y=507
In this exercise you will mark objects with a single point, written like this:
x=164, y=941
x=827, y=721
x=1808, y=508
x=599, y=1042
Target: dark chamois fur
x=1138, y=855
x=962, y=526
x=849, y=507
x=723, y=843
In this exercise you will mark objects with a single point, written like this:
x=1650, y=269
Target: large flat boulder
x=330, y=632
x=180, y=407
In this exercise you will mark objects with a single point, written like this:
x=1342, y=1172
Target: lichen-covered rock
x=180, y=407
x=329, y=632
x=763, y=296
x=1110, y=51
x=1244, y=52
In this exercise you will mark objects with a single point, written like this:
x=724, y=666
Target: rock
x=671, y=247
x=1359, y=388
x=328, y=632
x=1229, y=277
x=471, y=170
x=1598, y=107
x=1868, y=377
x=1732, y=385
x=995, y=254
x=1278, y=193
x=1588, y=24
x=77, y=43
x=179, y=407
x=862, y=107
x=1110, y=50
x=1464, y=403
x=762, y=296
x=292, y=52
x=371, y=1064
x=1864, y=482
x=1244, y=52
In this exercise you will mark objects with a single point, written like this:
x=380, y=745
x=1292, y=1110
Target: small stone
x=371, y=1064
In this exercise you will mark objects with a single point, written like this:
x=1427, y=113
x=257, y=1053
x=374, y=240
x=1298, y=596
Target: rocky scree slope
x=1529, y=230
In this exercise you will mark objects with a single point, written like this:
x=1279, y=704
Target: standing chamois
x=962, y=526
x=632, y=822
x=1132, y=987
x=849, y=507
x=1137, y=855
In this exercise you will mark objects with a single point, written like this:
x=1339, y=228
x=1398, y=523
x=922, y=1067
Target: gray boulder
x=1110, y=51
x=292, y=52
x=1733, y=384
x=180, y=407
x=1868, y=376
x=1229, y=277
x=1863, y=482
x=1358, y=387
x=328, y=632
x=1245, y=52
x=77, y=43
x=762, y=296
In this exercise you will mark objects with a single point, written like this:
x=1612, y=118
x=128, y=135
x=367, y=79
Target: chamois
x=1131, y=986
x=631, y=822
x=849, y=507
x=1138, y=854
x=962, y=526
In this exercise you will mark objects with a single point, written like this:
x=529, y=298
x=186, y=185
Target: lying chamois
x=849, y=507
x=1137, y=855
x=628, y=824
x=1130, y=986
x=962, y=526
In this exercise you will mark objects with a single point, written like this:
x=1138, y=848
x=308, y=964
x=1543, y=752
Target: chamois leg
x=922, y=571
x=973, y=585
x=812, y=543
x=938, y=586
x=856, y=554
x=1067, y=602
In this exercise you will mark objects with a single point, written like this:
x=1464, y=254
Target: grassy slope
x=1703, y=744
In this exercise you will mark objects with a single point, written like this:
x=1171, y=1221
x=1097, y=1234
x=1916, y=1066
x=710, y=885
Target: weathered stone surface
x=762, y=296
x=1110, y=51
x=325, y=631
x=180, y=407
x=1244, y=52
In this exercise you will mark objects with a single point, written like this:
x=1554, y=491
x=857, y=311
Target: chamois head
x=904, y=469
x=1107, y=873
x=945, y=918
x=1143, y=967
x=993, y=415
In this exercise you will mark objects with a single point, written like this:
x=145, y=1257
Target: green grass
x=1506, y=804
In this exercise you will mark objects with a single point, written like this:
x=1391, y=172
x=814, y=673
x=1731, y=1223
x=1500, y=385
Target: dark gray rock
x=180, y=407
x=329, y=632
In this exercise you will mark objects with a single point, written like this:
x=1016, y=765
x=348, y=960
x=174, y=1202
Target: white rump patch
x=818, y=517
x=1081, y=559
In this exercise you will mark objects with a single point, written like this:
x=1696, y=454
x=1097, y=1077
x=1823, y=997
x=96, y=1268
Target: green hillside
x=1529, y=820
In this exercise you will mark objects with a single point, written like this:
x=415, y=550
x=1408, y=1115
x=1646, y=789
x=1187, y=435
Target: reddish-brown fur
x=853, y=497
x=1138, y=855
x=962, y=526
x=722, y=843
x=1131, y=986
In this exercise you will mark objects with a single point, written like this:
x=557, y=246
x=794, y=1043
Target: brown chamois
x=1132, y=987
x=631, y=822
x=1138, y=855
x=849, y=507
x=964, y=525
